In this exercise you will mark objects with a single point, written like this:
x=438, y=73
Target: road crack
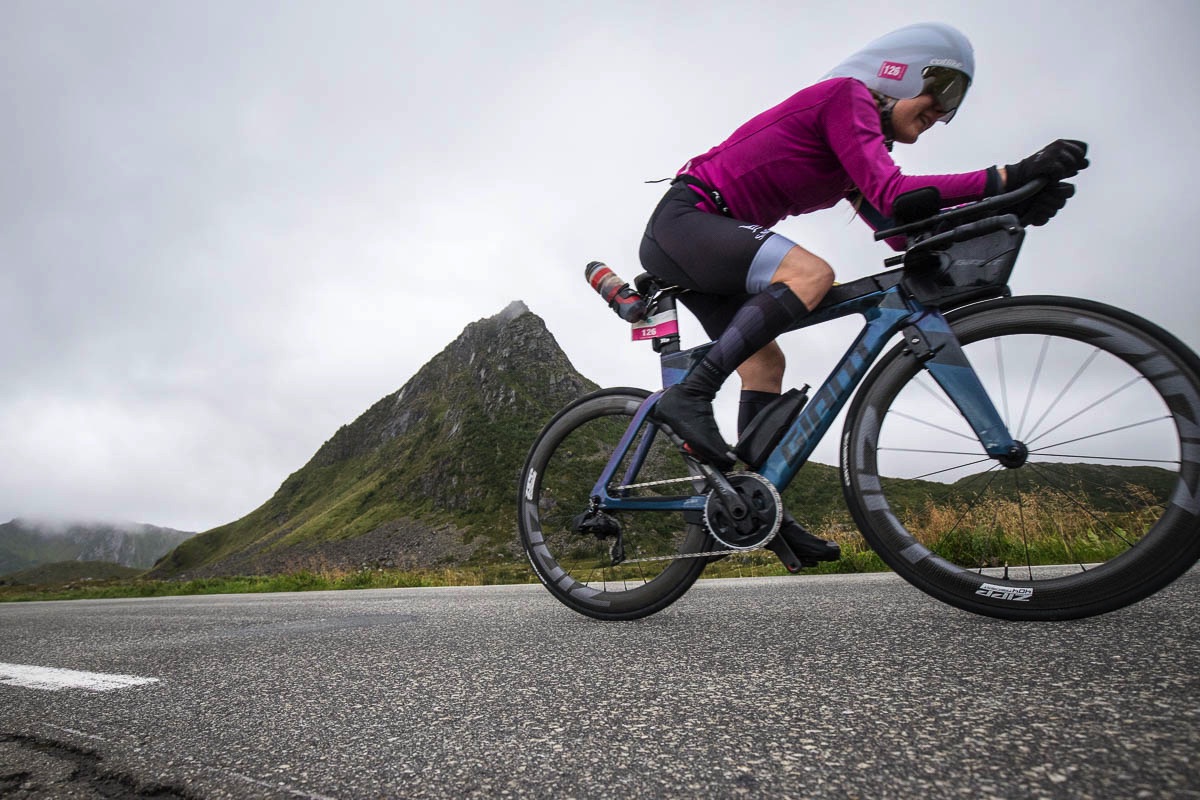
x=34, y=768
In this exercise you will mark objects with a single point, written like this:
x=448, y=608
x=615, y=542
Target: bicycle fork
x=931, y=341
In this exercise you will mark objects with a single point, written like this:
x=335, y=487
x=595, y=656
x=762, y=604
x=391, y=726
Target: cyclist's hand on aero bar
x=1059, y=160
x=1062, y=158
x=1045, y=204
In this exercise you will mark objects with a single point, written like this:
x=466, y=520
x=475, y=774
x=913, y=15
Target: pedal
x=790, y=561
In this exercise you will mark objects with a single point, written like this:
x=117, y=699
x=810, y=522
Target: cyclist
x=831, y=141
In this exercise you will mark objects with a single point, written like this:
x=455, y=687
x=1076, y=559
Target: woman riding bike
x=831, y=141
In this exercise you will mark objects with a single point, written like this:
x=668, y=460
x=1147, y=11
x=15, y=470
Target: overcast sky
x=228, y=228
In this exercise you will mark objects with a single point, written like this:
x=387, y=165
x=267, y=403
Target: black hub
x=1016, y=457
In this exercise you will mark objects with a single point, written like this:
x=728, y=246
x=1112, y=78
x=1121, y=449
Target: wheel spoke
x=936, y=394
x=1053, y=405
x=955, y=468
x=1023, y=526
x=1103, y=459
x=1097, y=434
x=1082, y=411
x=974, y=502
x=1051, y=481
x=1003, y=380
x=1033, y=384
x=929, y=424
x=938, y=452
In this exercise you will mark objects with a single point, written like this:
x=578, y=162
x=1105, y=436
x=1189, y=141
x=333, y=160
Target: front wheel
x=1106, y=509
x=581, y=567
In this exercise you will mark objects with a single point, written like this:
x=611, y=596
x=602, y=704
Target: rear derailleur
x=596, y=522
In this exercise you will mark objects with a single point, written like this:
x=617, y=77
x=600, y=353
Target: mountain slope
x=425, y=476
x=26, y=543
x=60, y=572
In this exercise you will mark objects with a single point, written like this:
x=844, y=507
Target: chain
x=693, y=555
x=679, y=555
x=660, y=483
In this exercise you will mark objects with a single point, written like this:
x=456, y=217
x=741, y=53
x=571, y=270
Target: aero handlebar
x=983, y=208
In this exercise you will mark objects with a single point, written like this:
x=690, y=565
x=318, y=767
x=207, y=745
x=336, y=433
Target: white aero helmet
x=925, y=57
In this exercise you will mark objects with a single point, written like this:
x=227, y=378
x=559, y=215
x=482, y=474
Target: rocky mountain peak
x=499, y=366
x=513, y=310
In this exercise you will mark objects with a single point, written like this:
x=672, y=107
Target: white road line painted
x=52, y=679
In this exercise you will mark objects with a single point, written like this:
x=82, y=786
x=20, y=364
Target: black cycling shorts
x=723, y=260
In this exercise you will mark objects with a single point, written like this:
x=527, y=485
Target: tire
x=556, y=484
x=1105, y=511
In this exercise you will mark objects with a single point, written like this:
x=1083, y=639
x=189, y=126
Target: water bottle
x=629, y=305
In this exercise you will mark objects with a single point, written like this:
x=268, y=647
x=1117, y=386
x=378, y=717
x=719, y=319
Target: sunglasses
x=948, y=87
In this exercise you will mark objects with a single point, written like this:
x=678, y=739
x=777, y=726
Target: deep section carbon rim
x=1106, y=509
x=556, y=487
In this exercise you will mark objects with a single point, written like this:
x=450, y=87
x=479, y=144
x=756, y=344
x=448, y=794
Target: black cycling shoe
x=689, y=413
x=808, y=548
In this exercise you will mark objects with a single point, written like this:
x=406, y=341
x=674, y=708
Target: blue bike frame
x=887, y=313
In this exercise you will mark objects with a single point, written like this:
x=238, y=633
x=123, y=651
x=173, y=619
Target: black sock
x=751, y=405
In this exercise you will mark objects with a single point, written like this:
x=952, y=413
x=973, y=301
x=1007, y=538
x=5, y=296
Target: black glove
x=1057, y=161
x=1045, y=204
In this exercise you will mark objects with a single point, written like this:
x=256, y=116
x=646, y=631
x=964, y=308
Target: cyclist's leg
x=761, y=374
x=809, y=278
x=687, y=406
x=728, y=264
x=764, y=370
x=724, y=257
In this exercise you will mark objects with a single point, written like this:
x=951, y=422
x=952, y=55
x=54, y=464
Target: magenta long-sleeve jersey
x=812, y=150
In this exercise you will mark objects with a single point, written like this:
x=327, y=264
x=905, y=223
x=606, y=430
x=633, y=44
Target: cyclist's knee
x=808, y=275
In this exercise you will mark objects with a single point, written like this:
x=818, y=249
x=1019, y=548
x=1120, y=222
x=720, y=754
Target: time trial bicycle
x=1066, y=433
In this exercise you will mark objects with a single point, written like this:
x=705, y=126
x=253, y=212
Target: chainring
x=766, y=513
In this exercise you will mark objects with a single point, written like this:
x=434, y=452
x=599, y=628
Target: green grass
x=760, y=564
x=303, y=581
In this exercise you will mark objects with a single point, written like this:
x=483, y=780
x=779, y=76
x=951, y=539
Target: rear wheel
x=1105, y=510
x=556, y=488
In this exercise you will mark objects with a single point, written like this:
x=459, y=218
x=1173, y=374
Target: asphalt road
x=840, y=687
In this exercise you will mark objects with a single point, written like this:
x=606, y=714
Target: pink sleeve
x=851, y=126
